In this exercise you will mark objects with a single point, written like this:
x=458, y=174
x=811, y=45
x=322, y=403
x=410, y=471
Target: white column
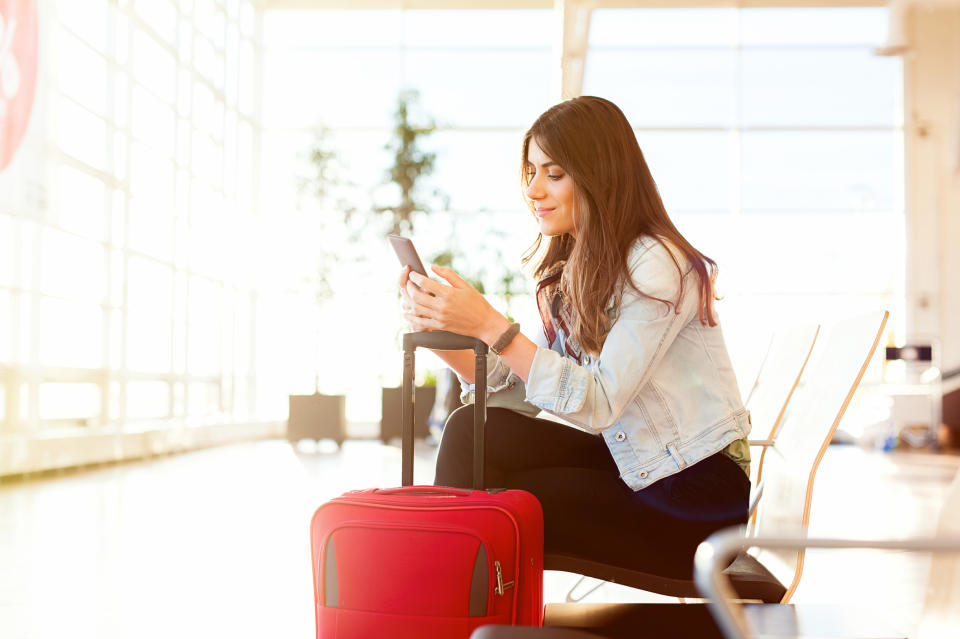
x=573, y=17
x=932, y=145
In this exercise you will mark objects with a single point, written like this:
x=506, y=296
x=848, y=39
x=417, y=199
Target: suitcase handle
x=443, y=341
x=425, y=490
x=439, y=340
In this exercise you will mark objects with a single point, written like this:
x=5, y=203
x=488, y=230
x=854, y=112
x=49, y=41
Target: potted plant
x=318, y=415
x=410, y=165
x=390, y=424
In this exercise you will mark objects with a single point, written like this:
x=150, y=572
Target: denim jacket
x=662, y=391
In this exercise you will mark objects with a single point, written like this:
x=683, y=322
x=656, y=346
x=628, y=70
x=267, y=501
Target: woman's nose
x=534, y=192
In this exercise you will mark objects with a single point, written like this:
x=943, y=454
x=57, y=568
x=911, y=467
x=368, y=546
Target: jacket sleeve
x=594, y=396
x=504, y=388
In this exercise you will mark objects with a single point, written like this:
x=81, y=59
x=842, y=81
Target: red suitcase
x=428, y=561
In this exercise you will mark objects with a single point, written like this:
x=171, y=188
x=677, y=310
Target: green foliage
x=445, y=258
x=328, y=194
x=410, y=164
x=325, y=183
x=322, y=160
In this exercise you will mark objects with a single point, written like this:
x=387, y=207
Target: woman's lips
x=543, y=212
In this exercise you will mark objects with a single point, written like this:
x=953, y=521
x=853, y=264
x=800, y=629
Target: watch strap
x=505, y=338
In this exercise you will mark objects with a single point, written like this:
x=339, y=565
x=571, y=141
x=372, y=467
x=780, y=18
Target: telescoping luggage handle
x=442, y=341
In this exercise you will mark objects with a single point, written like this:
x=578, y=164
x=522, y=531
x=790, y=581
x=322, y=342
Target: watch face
x=18, y=72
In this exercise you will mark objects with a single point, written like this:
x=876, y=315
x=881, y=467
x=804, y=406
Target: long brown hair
x=616, y=202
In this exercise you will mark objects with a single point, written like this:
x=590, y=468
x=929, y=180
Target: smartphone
x=407, y=254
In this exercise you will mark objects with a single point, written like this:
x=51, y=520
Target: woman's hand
x=456, y=306
x=459, y=308
x=406, y=302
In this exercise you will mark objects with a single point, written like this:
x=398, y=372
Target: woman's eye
x=555, y=177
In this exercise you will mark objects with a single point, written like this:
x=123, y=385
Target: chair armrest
x=714, y=554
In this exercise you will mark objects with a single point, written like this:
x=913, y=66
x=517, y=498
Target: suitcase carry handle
x=440, y=341
x=425, y=490
x=443, y=341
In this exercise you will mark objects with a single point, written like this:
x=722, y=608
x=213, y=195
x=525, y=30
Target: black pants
x=588, y=510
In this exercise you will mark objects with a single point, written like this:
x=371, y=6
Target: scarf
x=556, y=312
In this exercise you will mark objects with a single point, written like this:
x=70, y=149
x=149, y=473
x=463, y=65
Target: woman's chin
x=547, y=229
x=550, y=230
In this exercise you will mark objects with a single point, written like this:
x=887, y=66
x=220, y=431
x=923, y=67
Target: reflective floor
x=215, y=542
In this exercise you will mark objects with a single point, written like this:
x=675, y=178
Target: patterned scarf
x=555, y=311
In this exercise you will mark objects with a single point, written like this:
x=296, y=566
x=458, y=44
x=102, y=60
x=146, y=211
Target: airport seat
x=939, y=619
x=800, y=438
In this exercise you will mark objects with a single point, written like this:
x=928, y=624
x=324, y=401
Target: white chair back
x=791, y=463
x=779, y=374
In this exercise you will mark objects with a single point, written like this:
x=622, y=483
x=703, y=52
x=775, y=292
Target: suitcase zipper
x=501, y=587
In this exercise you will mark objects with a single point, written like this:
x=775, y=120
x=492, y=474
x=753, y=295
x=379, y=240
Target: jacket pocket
x=646, y=422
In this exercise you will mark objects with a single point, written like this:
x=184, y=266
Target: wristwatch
x=505, y=338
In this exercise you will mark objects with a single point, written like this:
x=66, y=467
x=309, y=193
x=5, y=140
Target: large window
x=120, y=301
x=775, y=137
x=159, y=254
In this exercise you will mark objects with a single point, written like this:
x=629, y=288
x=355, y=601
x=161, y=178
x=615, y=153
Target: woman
x=629, y=352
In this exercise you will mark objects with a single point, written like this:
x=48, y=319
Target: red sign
x=18, y=72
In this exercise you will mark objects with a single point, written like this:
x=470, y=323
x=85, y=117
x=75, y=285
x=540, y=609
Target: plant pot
x=390, y=424
x=317, y=417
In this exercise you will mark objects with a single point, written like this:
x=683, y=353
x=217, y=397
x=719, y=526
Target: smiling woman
x=629, y=352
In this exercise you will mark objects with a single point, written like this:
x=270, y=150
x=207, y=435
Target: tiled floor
x=214, y=543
